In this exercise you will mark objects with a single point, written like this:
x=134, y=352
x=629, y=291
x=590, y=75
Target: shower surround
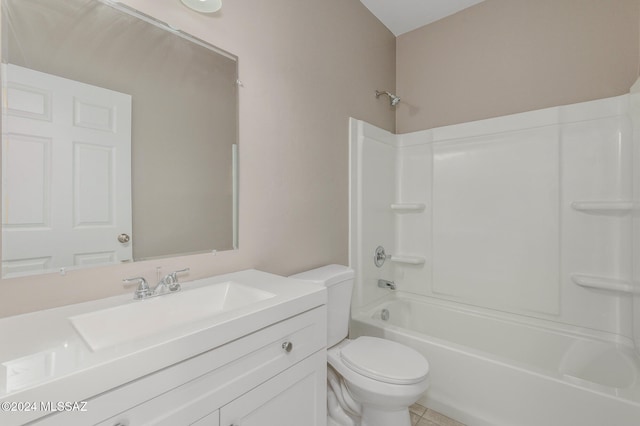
x=512, y=250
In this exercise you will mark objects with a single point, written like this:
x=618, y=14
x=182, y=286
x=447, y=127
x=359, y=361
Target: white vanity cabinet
x=273, y=376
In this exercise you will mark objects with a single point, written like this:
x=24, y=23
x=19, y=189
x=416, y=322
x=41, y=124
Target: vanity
x=241, y=349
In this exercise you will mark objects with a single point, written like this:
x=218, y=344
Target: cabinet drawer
x=188, y=391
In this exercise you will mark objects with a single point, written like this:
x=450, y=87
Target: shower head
x=392, y=98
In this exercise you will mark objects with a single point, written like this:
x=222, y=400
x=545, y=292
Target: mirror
x=119, y=138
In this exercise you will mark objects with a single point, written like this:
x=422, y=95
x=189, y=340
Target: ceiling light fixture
x=204, y=6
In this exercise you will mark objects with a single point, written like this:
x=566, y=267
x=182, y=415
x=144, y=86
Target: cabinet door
x=295, y=397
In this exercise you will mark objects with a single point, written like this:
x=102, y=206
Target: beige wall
x=306, y=67
x=507, y=56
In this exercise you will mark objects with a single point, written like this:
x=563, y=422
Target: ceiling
x=402, y=16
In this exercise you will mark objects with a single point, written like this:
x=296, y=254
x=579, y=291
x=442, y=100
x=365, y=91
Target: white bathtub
x=489, y=368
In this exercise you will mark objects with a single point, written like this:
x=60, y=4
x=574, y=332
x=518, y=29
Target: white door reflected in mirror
x=66, y=173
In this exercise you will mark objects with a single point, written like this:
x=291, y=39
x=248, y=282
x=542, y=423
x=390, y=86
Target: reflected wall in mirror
x=119, y=138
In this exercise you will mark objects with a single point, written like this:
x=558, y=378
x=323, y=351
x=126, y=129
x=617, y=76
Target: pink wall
x=506, y=56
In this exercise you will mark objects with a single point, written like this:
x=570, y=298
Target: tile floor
x=421, y=416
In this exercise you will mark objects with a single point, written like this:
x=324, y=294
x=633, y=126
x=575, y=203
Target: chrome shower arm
x=392, y=98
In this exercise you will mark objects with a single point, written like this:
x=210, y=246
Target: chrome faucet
x=143, y=291
x=387, y=284
x=168, y=284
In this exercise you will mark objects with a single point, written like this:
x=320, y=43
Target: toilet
x=370, y=381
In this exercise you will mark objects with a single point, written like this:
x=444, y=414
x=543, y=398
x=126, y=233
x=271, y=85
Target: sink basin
x=120, y=324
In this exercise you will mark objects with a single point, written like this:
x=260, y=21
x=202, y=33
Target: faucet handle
x=143, y=289
x=179, y=271
x=171, y=279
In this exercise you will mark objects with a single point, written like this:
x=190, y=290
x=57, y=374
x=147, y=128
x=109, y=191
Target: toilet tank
x=339, y=282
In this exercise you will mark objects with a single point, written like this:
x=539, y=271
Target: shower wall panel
x=372, y=187
x=596, y=232
x=523, y=214
x=529, y=214
x=496, y=220
x=634, y=109
x=413, y=228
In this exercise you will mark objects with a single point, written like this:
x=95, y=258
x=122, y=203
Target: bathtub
x=491, y=368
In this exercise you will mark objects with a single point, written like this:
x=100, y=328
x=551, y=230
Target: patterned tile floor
x=421, y=416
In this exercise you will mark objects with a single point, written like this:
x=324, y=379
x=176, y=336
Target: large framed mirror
x=119, y=138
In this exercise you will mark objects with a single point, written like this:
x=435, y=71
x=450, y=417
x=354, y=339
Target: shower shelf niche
x=603, y=207
x=603, y=283
x=410, y=260
x=408, y=207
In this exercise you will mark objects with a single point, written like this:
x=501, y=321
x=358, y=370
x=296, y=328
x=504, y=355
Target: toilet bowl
x=371, y=381
x=382, y=376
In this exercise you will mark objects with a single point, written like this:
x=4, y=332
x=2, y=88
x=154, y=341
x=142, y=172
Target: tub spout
x=387, y=284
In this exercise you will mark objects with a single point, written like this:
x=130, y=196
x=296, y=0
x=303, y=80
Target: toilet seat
x=385, y=361
x=374, y=392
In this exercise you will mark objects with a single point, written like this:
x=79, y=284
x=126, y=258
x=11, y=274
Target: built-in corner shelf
x=408, y=207
x=603, y=283
x=410, y=260
x=603, y=207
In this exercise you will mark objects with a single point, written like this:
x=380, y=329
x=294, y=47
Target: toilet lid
x=385, y=360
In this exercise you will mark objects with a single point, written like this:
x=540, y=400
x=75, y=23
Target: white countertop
x=42, y=358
